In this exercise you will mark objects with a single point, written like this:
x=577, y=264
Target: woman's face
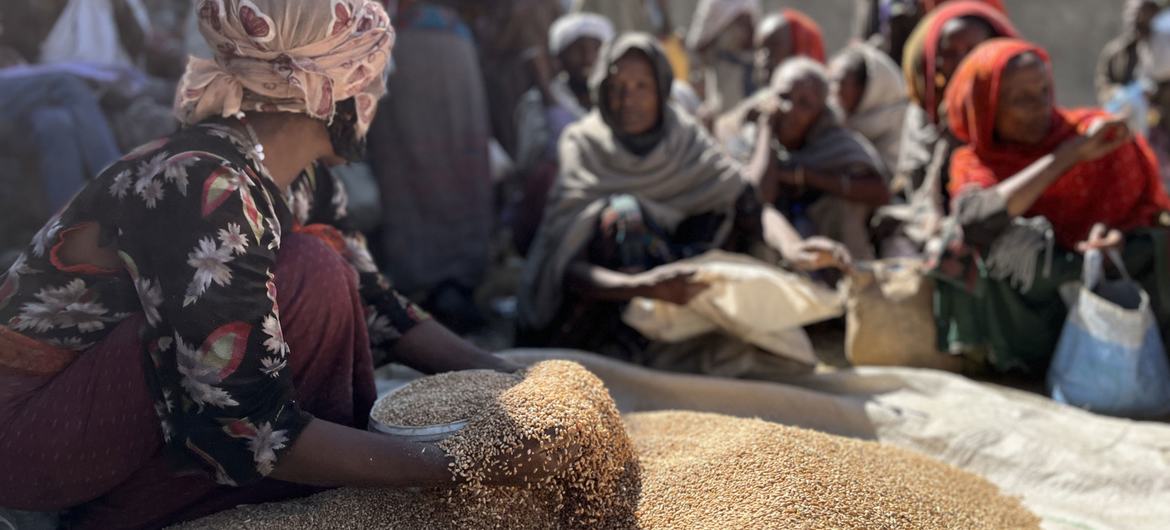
x=776, y=48
x=1024, y=113
x=848, y=84
x=632, y=94
x=959, y=37
x=801, y=106
x=579, y=57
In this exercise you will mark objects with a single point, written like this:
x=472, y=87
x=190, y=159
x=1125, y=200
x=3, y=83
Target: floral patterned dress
x=196, y=223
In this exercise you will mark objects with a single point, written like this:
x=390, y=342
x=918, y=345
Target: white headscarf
x=881, y=113
x=713, y=16
x=570, y=28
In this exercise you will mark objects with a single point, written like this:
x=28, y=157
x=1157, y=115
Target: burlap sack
x=889, y=317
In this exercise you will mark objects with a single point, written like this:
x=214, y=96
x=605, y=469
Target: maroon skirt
x=86, y=438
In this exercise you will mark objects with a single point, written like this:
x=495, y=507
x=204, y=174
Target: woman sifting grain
x=186, y=327
x=1036, y=176
x=641, y=186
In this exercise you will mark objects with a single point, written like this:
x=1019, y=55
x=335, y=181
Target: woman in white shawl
x=642, y=185
x=871, y=91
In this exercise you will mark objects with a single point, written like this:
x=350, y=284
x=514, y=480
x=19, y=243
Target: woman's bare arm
x=331, y=455
x=431, y=348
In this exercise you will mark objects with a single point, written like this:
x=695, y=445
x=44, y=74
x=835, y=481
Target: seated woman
x=827, y=179
x=576, y=41
x=784, y=35
x=720, y=38
x=871, y=92
x=178, y=333
x=932, y=55
x=643, y=186
x=1032, y=171
x=430, y=159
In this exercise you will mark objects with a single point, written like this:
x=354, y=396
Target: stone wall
x=1074, y=31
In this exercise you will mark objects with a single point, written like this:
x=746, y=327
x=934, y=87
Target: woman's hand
x=771, y=111
x=676, y=285
x=1102, y=238
x=817, y=253
x=1102, y=137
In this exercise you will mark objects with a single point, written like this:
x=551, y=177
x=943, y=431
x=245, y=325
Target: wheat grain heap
x=673, y=470
x=712, y=471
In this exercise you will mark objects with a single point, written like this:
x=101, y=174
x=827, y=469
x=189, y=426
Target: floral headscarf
x=300, y=56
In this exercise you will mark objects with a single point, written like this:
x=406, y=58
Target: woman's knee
x=314, y=281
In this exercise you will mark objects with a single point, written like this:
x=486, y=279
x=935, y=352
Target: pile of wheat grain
x=691, y=470
x=707, y=471
x=554, y=406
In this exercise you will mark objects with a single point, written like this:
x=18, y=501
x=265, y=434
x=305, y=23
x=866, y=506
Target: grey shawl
x=684, y=175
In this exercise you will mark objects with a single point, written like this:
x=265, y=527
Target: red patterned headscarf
x=1122, y=190
x=300, y=56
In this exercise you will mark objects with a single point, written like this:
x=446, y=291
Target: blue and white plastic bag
x=1110, y=358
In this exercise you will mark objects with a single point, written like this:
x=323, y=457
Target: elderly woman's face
x=848, y=83
x=579, y=57
x=801, y=106
x=1024, y=112
x=959, y=37
x=632, y=94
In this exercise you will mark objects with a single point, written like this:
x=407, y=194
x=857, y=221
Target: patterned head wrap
x=300, y=56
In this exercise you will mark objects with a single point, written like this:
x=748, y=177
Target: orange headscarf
x=929, y=5
x=807, y=38
x=1122, y=190
x=921, y=61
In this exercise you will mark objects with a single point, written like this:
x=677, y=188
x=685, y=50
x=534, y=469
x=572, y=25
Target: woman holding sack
x=642, y=186
x=1034, y=187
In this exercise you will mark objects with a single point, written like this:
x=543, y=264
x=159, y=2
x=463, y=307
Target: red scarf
x=1122, y=190
x=985, y=10
x=807, y=39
